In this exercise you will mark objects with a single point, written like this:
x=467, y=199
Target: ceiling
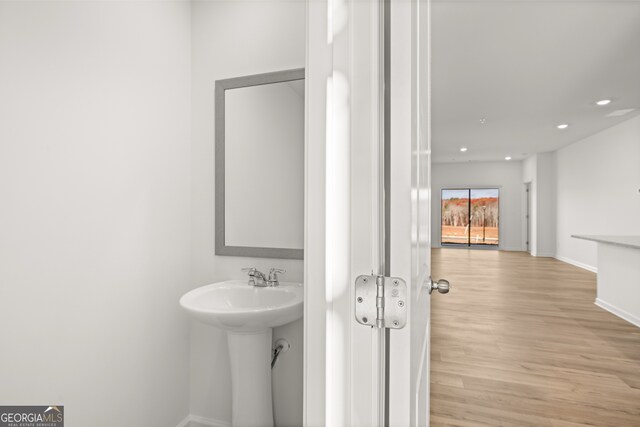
x=525, y=67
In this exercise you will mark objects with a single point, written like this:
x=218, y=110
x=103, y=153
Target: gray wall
x=94, y=223
x=231, y=39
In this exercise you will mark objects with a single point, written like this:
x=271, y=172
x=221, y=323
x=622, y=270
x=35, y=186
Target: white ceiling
x=527, y=66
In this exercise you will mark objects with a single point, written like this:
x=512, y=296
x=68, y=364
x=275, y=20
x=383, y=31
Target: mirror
x=260, y=165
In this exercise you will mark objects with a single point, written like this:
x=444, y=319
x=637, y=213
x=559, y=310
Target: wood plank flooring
x=519, y=342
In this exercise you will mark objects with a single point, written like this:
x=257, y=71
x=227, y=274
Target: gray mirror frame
x=221, y=86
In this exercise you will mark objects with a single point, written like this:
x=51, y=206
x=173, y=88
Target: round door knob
x=441, y=286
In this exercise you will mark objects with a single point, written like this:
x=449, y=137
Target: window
x=470, y=216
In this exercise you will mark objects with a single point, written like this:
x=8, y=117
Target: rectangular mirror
x=260, y=165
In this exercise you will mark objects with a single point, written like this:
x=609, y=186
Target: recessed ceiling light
x=508, y=158
x=483, y=121
x=463, y=149
x=603, y=102
x=562, y=126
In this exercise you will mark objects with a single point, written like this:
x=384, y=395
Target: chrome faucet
x=258, y=278
x=273, y=276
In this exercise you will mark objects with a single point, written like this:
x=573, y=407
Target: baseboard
x=634, y=320
x=577, y=263
x=197, y=421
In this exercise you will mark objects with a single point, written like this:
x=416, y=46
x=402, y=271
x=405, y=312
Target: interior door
x=367, y=210
x=528, y=218
x=410, y=239
x=343, y=360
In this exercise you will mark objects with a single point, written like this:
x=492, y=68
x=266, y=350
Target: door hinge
x=381, y=302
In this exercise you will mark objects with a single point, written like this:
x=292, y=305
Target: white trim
x=575, y=263
x=319, y=69
x=198, y=421
x=409, y=201
x=634, y=320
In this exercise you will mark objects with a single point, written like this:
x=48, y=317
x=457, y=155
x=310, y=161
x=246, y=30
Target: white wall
x=231, y=39
x=94, y=224
x=598, y=190
x=506, y=176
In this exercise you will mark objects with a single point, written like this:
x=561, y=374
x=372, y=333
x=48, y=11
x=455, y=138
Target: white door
x=357, y=375
x=343, y=360
x=410, y=249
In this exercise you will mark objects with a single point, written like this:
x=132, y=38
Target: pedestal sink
x=247, y=314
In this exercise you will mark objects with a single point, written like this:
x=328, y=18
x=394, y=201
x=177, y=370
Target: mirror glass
x=262, y=191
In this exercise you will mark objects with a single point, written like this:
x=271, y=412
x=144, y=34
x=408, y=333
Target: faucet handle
x=275, y=271
x=273, y=275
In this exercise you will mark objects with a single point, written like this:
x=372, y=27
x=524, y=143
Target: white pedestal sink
x=247, y=314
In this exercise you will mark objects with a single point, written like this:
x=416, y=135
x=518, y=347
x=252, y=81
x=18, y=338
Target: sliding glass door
x=455, y=216
x=470, y=216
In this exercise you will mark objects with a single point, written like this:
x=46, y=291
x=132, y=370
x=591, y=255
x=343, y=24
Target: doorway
x=528, y=215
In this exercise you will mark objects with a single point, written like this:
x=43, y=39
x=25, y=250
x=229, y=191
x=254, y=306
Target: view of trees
x=455, y=212
x=483, y=207
x=484, y=212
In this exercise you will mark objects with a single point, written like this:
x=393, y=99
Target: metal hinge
x=381, y=301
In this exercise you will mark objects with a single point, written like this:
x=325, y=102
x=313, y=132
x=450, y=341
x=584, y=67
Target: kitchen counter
x=628, y=241
x=618, y=275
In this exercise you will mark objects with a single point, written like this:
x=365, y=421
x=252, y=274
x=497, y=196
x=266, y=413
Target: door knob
x=441, y=286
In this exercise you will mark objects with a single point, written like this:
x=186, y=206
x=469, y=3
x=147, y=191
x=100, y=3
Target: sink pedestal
x=248, y=314
x=250, y=356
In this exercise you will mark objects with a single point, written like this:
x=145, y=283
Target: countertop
x=627, y=241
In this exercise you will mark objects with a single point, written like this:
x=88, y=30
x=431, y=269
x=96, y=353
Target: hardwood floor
x=519, y=342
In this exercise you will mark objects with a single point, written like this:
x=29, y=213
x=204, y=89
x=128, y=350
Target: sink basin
x=236, y=306
x=247, y=314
